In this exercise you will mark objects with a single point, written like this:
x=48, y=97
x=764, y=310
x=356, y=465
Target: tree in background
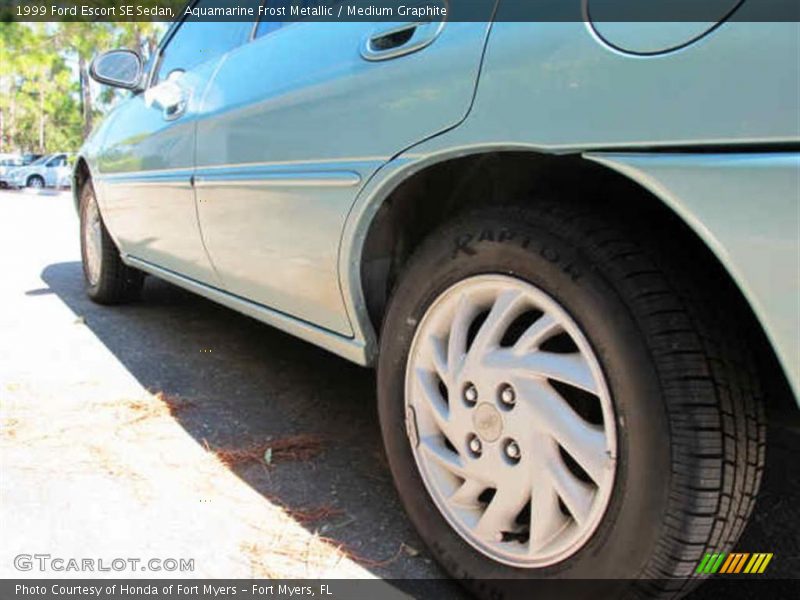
x=47, y=101
x=82, y=41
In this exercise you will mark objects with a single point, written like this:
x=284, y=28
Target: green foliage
x=47, y=102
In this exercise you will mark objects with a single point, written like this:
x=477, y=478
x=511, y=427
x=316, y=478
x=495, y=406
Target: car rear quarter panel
x=746, y=208
x=557, y=88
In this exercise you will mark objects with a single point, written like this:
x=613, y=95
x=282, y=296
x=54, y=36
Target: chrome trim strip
x=308, y=165
x=184, y=182
x=283, y=179
x=225, y=176
x=165, y=176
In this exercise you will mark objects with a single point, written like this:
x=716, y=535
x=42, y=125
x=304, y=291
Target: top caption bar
x=651, y=11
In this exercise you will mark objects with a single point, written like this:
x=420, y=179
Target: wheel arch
x=80, y=175
x=32, y=176
x=394, y=214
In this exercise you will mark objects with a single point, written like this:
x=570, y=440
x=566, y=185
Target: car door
x=22, y=175
x=291, y=127
x=146, y=162
x=64, y=174
x=53, y=169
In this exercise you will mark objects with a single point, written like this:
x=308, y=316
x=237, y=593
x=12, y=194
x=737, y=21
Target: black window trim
x=256, y=22
x=173, y=29
x=259, y=19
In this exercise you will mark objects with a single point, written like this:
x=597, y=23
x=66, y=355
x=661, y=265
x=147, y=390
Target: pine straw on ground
x=316, y=554
x=306, y=516
x=369, y=562
x=158, y=404
x=300, y=447
x=9, y=428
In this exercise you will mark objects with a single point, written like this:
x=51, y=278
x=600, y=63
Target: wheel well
x=79, y=177
x=433, y=195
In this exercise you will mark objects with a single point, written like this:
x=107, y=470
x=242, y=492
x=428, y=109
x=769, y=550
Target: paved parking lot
x=177, y=428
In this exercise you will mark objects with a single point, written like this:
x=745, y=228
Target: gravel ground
x=115, y=420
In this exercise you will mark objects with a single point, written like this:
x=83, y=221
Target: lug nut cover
x=512, y=450
x=471, y=394
x=508, y=396
x=475, y=445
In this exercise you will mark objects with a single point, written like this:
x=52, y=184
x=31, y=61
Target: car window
x=273, y=9
x=271, y=18
x=265, y=27
x=58, y=161
x=196, y=41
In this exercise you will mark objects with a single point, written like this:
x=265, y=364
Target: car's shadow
x=248, y=381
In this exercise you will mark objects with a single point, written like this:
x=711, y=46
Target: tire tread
x=709, y=383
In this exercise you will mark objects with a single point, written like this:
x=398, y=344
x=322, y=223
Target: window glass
x=196, y=41
x=58, y=161
x=265, y=27
x=271, y=20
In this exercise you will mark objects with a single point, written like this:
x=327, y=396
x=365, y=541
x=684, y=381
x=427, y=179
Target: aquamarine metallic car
x=570, y=249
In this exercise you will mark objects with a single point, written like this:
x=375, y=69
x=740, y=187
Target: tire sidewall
x=86, y=196
x=539, y=253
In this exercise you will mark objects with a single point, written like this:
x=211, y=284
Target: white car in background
x=11, y=162
x=53, y=170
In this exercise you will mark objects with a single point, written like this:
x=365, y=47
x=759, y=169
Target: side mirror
x=118, y=68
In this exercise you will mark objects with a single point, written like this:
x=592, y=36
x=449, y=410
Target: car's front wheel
x=557, y=401
x=35, y=182
x=108, y=279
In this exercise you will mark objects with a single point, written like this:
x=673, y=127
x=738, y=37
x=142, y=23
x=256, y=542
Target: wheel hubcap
x=92, y=242
x=487, y=422
x=514, y=433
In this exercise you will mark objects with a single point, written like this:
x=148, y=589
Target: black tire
x=117, y=283
x=35, y=181
x=690, y=420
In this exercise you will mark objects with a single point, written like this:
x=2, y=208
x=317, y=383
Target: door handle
x=175, y=109
x=391, y=41
x=170, y=96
